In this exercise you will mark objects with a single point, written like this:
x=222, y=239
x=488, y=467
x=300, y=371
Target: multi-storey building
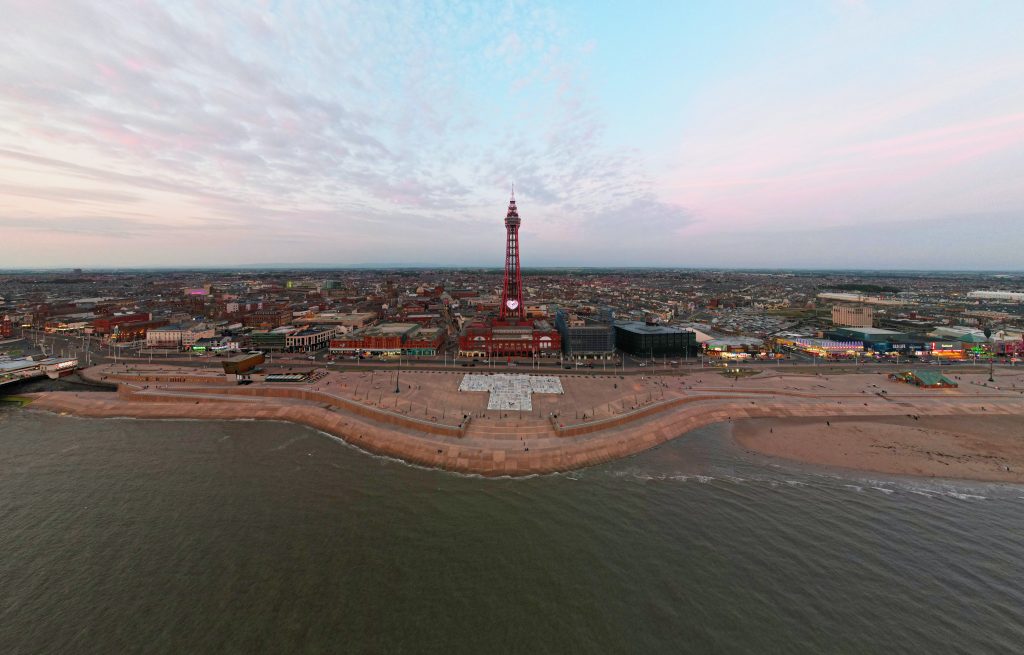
x=853, y=315
x=583, y=340
x=310, y=339
x=268, y=318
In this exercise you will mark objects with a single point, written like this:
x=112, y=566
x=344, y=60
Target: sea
x=138, y=536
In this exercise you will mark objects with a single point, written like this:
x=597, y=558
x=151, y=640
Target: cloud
x=301, y=118
x=390, y=130
x=117, y=227
x=941, y=241
x=642, y=220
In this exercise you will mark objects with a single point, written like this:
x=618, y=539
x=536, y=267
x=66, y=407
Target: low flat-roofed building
x=241, y=364
x=388, y=340
x=870, y=334
x=645, y=339
x=344, y=321
x=960, y=333
x=824, y=347
x=735, y=345
x=275, y=340
x=12, y=370
x=423, y=318
x=209, y=344
x=425, y=342
x=1003, y=296
x=926, y=379
x=178, y=335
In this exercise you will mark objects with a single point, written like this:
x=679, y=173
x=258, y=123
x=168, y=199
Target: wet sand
x=983, y=448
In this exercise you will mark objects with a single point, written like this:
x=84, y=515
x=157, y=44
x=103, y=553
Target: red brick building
x=268, y=317
x=510, y=339
x=105, y=325
x=391, y=339
x=135, y=331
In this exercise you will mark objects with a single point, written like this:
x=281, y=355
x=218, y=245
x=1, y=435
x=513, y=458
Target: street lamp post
x=991, y=359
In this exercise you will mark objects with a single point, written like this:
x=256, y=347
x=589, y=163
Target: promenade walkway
x=620, y=421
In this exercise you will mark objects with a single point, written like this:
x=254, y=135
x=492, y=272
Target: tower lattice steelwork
x=512, y=289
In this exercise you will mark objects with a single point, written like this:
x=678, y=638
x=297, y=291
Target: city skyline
x=821, y=135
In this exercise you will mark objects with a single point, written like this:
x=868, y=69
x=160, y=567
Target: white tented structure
x=510, y=391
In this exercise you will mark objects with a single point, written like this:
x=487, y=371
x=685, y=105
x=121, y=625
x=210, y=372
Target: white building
x=310, y=339
x=178, y=336
x=1007, y=296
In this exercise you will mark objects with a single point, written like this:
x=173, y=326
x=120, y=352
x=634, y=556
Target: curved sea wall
x=404, y=438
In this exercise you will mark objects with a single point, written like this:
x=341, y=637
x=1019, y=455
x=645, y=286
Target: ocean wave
x=432, y=469
x=962, y=496
x=289, y=442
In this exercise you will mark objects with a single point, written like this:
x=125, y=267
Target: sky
x=819, y=133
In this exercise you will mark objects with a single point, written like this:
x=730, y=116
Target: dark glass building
x=647, y=340
x=581, y=339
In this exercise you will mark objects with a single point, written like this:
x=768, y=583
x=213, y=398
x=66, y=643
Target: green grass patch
x=20, y=400
x=736, y=374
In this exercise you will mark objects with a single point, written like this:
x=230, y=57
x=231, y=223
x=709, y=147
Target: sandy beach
x=599, y=418
x=985, y=448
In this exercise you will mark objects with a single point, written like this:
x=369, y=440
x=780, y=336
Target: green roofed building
x=926, y=379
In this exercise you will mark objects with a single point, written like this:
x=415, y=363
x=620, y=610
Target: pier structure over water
x=18, y=370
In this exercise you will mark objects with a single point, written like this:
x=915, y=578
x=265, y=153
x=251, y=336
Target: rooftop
x=313, y=329
x=870, y=331
x=644, y=328
x=389, y=329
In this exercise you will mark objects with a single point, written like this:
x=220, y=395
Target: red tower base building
x=510, y=334
x=495, y=338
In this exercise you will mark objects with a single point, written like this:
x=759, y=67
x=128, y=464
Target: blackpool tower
x=512, y=289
